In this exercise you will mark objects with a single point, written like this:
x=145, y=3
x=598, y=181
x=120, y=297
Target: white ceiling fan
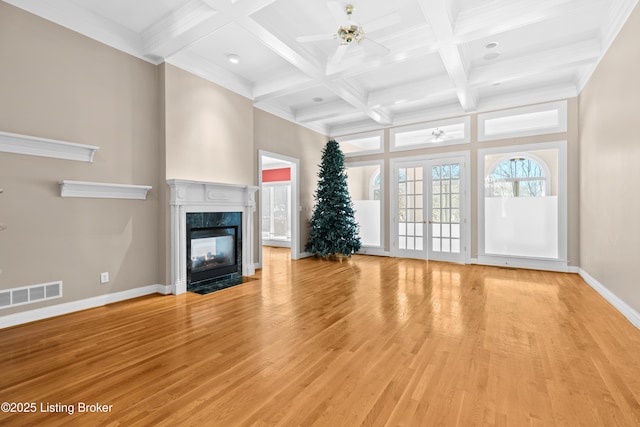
x=351, y=32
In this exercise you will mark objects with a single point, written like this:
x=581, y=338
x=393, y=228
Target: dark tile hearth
x=207, y=287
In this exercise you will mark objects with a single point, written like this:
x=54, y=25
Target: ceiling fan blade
x=338, y=54
x=374, y=48
x=338, y=12
x=315, y=38
x=381, y=23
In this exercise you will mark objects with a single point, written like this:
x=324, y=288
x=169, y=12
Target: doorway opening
x=279, y=202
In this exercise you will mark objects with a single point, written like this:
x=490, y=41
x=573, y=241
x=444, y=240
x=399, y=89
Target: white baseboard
x=624, y=308
x=374, y=251
x=304, y=255
x=70, y=307
x=514, y=262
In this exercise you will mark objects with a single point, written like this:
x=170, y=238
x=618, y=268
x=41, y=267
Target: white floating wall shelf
x=102, y=190
x=36, y=146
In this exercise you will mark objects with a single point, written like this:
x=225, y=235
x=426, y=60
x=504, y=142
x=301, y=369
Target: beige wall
x=571, y=136
x=280, y=136
x=209, y=131
x=58, y=84
x=609, y=156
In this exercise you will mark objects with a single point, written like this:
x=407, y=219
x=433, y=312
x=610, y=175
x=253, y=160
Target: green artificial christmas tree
x=334, y=230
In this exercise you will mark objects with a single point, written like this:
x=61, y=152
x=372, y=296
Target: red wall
x=276, y=175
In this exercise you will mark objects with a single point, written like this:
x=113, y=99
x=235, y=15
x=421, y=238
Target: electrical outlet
x=104, y=277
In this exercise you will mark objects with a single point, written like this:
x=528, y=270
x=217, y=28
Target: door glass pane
x=455, y=216
x=419, y=245
x=445, y=208
x=455, y=171
x=410, y=213
x=410, y=243
x=411, y=229
x=402, y=242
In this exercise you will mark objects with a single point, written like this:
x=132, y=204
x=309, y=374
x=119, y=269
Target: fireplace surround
x=210, y=208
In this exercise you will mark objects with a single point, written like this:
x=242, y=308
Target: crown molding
x=44, y=147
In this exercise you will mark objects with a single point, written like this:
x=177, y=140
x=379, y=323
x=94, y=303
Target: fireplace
x=212, y=252
x=211, y=234
x=214, y=247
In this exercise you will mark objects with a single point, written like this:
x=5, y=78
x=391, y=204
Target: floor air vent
x=29, y=294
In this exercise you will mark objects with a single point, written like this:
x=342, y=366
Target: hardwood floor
x=368, y=341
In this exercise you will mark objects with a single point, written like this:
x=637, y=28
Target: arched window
x=518, y=177
x=374, y=186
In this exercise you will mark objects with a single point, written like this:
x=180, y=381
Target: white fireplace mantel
x=198, y=196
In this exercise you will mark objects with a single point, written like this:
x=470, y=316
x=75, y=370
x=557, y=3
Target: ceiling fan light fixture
x=437, y=133
x=350, y=34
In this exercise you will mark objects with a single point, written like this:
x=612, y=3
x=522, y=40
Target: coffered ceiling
x=421, y=60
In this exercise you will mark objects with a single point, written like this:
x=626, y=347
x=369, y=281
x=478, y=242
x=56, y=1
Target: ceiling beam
x=538, y=63
x=282, y=86
x=193, y=21
x=455, y=60
x=412, y=91
x=312, y=68
x=490, y=18
x=324, y=111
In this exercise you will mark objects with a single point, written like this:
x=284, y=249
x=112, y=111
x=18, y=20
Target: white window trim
x=555, y=264
x=465, y=120
x=560, y=107
x=351, y=137
x=375, y=250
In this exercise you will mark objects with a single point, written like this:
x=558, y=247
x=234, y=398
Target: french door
x=429, y=218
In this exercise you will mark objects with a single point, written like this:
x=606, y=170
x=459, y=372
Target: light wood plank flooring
x=368, y=341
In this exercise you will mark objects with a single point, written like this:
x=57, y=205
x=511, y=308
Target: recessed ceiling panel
x=255, y=61
x=311, y=97
x=541, y=36
x=412, y=69
x=540, y=80
x=136, y=15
